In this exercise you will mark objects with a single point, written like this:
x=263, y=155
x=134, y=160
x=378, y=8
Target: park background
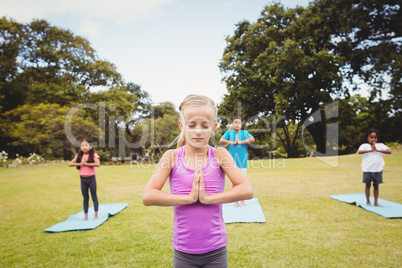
x=294, y=73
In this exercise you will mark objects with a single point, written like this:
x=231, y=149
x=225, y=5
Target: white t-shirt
x=372, y=161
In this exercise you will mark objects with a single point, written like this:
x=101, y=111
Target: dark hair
x=81, y=153
x=371, y=130
x=236, y=117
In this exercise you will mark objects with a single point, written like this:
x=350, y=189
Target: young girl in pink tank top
x=86, y=160
x=196, y=173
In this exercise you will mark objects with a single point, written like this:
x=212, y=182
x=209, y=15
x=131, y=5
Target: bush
x=35, y=159
x=3, y=159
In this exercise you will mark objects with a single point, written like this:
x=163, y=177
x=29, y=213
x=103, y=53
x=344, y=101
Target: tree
x=277, y=67
x=294, y=62
x=43, y=64
x=40, y=63
x=367, y=33
x=40, y=129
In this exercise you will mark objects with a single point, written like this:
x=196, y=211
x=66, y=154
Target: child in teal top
x=237, y=139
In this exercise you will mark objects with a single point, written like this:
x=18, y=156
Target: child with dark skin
x=372, y=163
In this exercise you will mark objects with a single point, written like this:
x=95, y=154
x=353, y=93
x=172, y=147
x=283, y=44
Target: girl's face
x=85, y=147
x=198, y=125
x=372, y=137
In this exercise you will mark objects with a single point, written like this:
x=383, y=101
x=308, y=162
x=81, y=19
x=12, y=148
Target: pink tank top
x=85, y=170
x=198, y=228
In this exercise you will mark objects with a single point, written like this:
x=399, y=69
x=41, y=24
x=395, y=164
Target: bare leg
x=376, y=193
x=96, y=215
x=242, y=203
x=367, y=191
x=86, y=217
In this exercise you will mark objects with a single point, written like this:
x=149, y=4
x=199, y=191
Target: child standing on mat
x=373, y=163
x=86, y=160
x=196, y=173
x=238, y=140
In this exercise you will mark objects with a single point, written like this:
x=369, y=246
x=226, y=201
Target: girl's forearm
x=364, y=151
x=384, y=151
x=380, y=151
x=239, y=192
x=156, y=197
x=92, y=164
x=74, y=164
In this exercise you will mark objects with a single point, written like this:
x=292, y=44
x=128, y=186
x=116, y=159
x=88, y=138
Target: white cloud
x=119, y=11
x=90, y=15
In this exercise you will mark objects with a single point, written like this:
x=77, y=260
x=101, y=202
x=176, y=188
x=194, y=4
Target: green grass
x=305, y=227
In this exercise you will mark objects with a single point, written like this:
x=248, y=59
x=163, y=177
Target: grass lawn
x=305, y=227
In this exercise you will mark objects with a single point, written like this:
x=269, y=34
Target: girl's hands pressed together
x=202, y=195
x=198, y=188
x=83, y=161
x=194, y=189
x=373, y=147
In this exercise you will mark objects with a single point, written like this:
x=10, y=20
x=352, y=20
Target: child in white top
x=372, y=163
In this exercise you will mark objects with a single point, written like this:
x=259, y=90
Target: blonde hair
x=194, y=100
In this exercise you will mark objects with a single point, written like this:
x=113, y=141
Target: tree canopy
x=46, y=67
x=291, y=63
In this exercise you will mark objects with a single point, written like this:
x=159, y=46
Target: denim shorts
x=375, y=177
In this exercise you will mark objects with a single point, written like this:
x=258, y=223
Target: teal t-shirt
x=238, y=151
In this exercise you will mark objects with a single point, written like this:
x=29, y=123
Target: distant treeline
x=290, y=76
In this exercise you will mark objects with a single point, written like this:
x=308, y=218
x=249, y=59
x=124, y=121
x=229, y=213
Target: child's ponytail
x=182, y=140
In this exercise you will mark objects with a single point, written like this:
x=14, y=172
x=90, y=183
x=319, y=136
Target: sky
x=171, y=48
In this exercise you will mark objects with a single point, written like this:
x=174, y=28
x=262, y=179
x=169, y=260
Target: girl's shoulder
x=170, y=156
x=220, y=153
x=172, y=152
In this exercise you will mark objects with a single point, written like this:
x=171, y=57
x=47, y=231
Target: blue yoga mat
x=75, y=222
x=389, y=209
x=251, y=212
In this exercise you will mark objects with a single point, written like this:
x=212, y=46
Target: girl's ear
x=181, y=125
x=214, y=127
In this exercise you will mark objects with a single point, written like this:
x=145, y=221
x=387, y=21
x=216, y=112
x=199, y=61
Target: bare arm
x=153, y=194
x=374, y=149
x=364, y=151
x=73, y=163
x=247, y=141
x=222, y=140
x=242, y=188
x=384, y=151
x=95, y=164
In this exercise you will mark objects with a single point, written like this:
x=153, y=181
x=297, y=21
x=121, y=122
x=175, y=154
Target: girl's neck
x=192, y=151
x=195, y=157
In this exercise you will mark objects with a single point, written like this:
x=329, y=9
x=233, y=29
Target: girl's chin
x=198, y=145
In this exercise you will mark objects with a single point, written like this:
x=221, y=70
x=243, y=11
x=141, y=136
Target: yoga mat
x=389, y=209
x=251, y=212
x=75, y=222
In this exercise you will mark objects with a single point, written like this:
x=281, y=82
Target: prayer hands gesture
x=83, y=161
x=373, y=147
x=198, y=189
x=236, y=141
